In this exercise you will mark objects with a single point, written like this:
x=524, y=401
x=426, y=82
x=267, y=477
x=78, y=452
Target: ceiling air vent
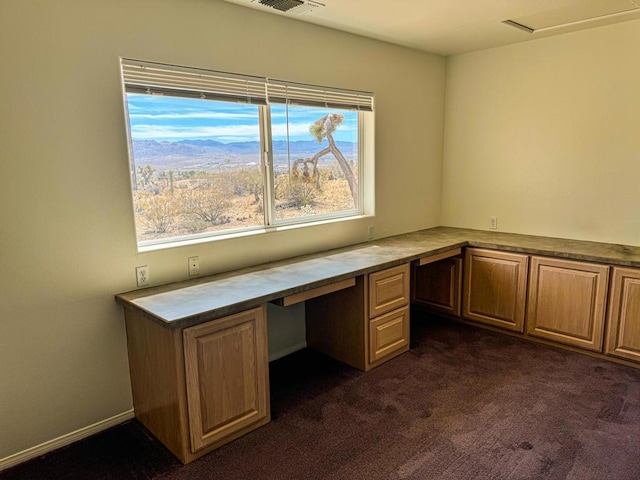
x=580, y=12
x=291, y=6
x=282, y=5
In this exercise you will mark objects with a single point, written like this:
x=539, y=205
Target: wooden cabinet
x=199, y=388
x=567, y=301
x=226, y=366
x=437, y=283
x=364, y=325
x=495, y=288
x=623, y=321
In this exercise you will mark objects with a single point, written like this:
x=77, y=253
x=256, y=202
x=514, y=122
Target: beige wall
x=545, y=135
x=66, y=227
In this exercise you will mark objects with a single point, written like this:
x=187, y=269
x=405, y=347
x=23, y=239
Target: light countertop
x=197, y=300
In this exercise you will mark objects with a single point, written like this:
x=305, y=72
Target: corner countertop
x=194, y=301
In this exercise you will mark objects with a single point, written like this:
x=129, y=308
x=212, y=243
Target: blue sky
x=164, y=118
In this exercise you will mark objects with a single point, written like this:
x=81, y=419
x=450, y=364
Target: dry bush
x=295, y=193
x=208, y=202
x=158, y=212
x=247, y=181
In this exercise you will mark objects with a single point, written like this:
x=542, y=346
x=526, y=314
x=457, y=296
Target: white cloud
x=225, y=133
x=280, y=129
x=169, y=132
x=191, y=115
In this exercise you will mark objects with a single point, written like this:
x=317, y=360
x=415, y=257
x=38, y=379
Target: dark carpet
x=464, y=403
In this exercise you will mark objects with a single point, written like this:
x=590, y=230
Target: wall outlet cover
x=142, y=275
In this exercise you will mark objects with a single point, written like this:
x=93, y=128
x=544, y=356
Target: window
x=214, y=153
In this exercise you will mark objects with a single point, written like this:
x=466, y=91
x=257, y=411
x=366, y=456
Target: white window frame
x=156, y=78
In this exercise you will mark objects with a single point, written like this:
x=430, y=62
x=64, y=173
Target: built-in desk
x=187, y=303
x=198, y=351
x=193, y=301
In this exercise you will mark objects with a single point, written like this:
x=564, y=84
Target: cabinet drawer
x=389, y=334
x=388, y=290
x=315, y=293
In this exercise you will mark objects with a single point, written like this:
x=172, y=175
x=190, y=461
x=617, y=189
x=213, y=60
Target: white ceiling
x=449, y=27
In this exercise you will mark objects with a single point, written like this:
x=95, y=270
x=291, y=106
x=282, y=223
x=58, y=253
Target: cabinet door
x=226, y=366
x=623, y=331
x=495, y=288
x=388, y=290
x=437, y=285
x=389, y=335
x=567, y=301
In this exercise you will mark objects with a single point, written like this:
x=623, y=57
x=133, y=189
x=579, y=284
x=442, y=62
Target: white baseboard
x=64, y=440
x=286, y=351
x=85, y=432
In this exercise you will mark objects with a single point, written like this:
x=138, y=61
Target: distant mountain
x=206, y=154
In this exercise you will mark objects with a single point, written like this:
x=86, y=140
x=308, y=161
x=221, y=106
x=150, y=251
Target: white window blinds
x=160, y=79
x=308, y=95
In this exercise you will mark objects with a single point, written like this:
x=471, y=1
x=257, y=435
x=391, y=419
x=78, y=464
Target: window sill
x=248, y=233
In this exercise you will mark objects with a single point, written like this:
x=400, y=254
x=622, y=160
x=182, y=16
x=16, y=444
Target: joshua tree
x=146, y=173
x=324, y=128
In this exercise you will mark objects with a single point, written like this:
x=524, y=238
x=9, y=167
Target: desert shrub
x=295, y=193
x=208, y=201
x=159, y=212
x=245, y=182
x=302, y=194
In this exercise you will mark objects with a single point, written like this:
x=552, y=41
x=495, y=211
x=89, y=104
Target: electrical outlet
x=194, y=265
x=371, y=232
x=493, y=223
x=142, y=275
